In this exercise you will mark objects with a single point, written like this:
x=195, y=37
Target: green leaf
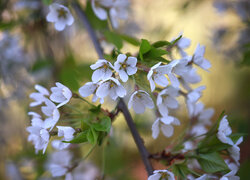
x=154, y=53
x=236, y=136
x=103, y=125
x=7, y=25
x=212, y=162
x=144, y=48
x=158, y=44
x=79, y=138
x=92, y=136
x=130, y=39
x=176, y=40
x=180, y=170
x=47, y=2
x=113, y=38
x=95, y=109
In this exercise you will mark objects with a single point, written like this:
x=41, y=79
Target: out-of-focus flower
x=60, y=15
x=60, y=94
x=111, y=87
x=165, y=123
x=139, y=100
x=162, y=174
x=235, y=151
x=198, y=58
x=67, y=133
x=125, y=66
x=59, y=163
x=52, y=112
x=90, y=88
x=198, y=129
x=224, y=131
x=182, y=44
x=231, y=175
x=166, y=99
x=157, y=74
x=191, y=77
x=99, y=6
x=103, y=70
x=194, y=95
x=39, y=96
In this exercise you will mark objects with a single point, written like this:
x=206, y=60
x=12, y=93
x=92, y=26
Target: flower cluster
x=40, y=129
x=117, y=9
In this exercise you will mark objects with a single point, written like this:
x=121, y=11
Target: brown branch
x=121, y=105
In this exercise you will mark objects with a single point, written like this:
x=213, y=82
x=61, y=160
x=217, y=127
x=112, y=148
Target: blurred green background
x=46, y=56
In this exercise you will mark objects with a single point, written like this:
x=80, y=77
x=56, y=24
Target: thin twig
x=121, y=105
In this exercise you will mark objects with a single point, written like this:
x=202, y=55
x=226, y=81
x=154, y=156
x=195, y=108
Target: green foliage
x=212, y=162
x=8, y=25
x=181, y=170
x=42, y=64
x=113, y=38
x=103, y=125
x=47, y=2
x=246, y=55
x=79, y=138
x=158, y=44
x=92, y=136
x=144, y=48
x=95, y=109
x=130, y=39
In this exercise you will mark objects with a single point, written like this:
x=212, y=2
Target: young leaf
x=180, y=170
x=212, y=162
x=155, y=52
x=158, y=44
x=95, y=109
x=92, y=136
x=176, y=40
x=144, y=47
x=130, y=39
x=103, y=125
x=47, y=2
x=80, y=138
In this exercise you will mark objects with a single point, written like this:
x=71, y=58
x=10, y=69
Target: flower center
x=155, y=72
x=105, y=66
x=139, y=95
x=124, y=65
x=62, y=13
x=112, y=85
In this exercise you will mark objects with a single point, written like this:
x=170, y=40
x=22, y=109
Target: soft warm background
x=49, y=56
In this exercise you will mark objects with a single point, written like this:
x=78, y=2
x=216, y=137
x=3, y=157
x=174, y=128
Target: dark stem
x=121, y=105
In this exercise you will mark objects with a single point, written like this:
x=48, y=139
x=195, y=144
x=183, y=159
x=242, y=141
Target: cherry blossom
x=139, y=100
x=67, y=133
x=90, y=88
x=99, y=6
x=39, y=96
x=60, y=94
x=161, y=174
x=125, y=66
x=224, y=131
x=198, y=57
x=103, y=70
x=60, y=15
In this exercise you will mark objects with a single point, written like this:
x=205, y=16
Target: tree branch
x=121, y=105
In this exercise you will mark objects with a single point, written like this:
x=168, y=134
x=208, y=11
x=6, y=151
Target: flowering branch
x=121, y=105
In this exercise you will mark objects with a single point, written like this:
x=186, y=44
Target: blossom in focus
x=51, y=111
x=166, y=99
x=224, y=131
x=119, y=10
x=60, y=15
x=111, y=87
x=139, y=100
x=103, y=70
x=125, y=66
x=59, y=163
x=198, y=57
x=90, y=88
x=39, y=96
x=165, y=124
x=60, y=94
x=161, y=175
x=157, y=75
x=67, y=133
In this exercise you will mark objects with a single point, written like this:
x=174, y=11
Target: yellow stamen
x=62, y=13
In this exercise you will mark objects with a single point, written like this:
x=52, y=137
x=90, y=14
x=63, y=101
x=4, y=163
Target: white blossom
x=51, y=111
x=224, y=131
x=39, y=135
x=162, y=175
x=197, y=110
x=177, y=67
x=90, y=88
x=139, y=100
x=188, y=145
x=67, y=133
x=235, y=151
x=191, y=77
x=198, y=57
x=111, y=87
x=60, y=94
x=165, y=123
x=125, y=66
x=99, y=6
x=195, y=94
x=198, y=129
x=231, y=175
x=119, y=10
x=103, y=70
x=60, y=15
x=39, y=96
x=166, y=99
x=59, y=163
x=157, y=74
x=182, y=44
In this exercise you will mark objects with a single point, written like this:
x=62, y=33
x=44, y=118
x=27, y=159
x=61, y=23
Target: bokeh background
x=32, y=52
